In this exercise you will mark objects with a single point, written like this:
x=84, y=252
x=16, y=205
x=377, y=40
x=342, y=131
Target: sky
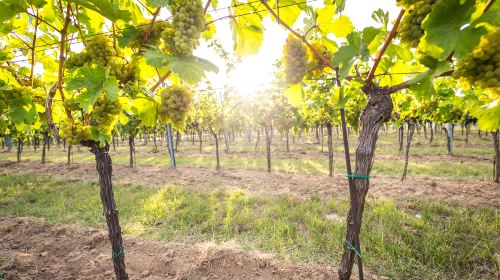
x=255, y=72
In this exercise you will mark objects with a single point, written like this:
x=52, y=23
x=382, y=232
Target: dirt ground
x=32, y=249
x=467, y=193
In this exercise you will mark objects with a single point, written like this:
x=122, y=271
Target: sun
x=250, y=76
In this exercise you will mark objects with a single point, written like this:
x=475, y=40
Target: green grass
x=415, y=240
x=304, y=159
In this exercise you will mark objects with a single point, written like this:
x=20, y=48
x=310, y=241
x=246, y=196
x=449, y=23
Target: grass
x=307, y=159
x=415, y=240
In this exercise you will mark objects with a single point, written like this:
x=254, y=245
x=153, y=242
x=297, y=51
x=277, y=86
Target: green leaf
x=488, y=116
x=291, y=13
x=95, y=80
x=146, y=110
x=247, y=30
x=424, y=87
x=210, y=31
x=341, y=26
x=22, y=112
x=190, y=69
x=294, y=94
x=10, y=8
x=346, y=55
x=159, y=3
x=102, y=139
x=381, y=17
x=105, y=8
x=447, y=29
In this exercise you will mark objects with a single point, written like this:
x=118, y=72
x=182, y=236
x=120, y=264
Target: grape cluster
x=315, y=63
x=100, y=50
x=188, y=23
x=175, y=102
x=132, y=88
x=76, y=60
x=119, y=70
x=482, y=66
x=410, y=29
x=104, y=113
x=71, y=104
x=295, y=59
x=154, y=35
x=74, y=133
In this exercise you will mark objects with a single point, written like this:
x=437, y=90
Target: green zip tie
x=118, y=254
x=356, y=176
x=352, y=248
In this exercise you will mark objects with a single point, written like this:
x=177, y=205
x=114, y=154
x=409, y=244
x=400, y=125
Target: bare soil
x=467, y=193
x=30, y=248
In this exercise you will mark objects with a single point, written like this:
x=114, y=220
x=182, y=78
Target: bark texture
x=330, y=148
x=411, y=130
x=104, y=170
x=377, y=111
x=268, y=148
x=496, y=177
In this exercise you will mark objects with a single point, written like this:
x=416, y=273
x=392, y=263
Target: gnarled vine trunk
x=216, y=137
x=496, y=161
x=411, y=130
x=377, y=111
x=330, y=148
x=268, y=148
x=104, y=170
x=131, y=146
x=45, y=139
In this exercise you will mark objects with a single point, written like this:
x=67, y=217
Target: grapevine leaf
x=248, y=32
x=102, y=139
x=159, y=3
x=294, y=94
x=210, y=31
x=381, y=17
x=105, y=8
x=95, y=80
x=10, y=8
x=22, y=112
x=292, y=12
x=341, y=26
x=190, y=69
x=424, y=87
x=488, y=116
x=346, y=55
x=445, y=32
x=325, y=17
x=146, y=110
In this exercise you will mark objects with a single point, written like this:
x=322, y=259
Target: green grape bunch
x=104, y=114
x=482, y=66
x=410, y=29
x=14, y=95
x=132, y=88
x=74, y=133
x=76, y=60
x=175, y=102
x=71, y=104
x=100, y=50
x=295, y=59
x=188, y=23
x=119, y=70
x=154, y=36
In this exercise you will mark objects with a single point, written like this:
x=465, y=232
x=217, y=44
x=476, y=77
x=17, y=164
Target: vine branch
x=207, y=5
x=160, y=81
x=386, y=44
